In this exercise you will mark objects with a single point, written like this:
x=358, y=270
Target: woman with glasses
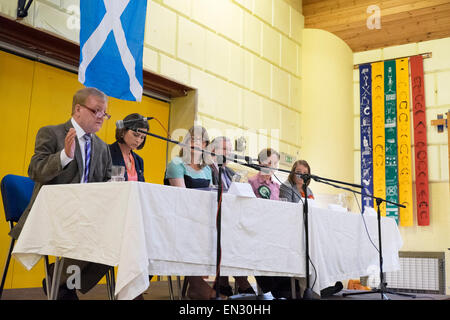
x=190, y=169
x=127, y=140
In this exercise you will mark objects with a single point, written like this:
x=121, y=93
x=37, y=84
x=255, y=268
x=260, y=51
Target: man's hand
x=69, y=143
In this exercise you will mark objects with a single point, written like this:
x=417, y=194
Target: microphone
x=305, y=176
x=237, y=156
x=120, y=124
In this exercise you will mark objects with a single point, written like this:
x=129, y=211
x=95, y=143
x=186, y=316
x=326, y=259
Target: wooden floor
x=158, y=290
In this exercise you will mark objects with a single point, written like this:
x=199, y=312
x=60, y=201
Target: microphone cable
x=168, y=134
x=362, y=215
x=365, y=225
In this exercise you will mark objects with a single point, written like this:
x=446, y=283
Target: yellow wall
x=436, y=236
x=242, y=56
x=327, y=127
x=33, y=95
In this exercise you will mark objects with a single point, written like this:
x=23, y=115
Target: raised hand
x=69, y=143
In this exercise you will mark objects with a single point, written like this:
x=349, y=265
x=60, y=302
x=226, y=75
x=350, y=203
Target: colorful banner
x=390, y=124
x=365, y=83
x=420, y=140
x=404, y=143
x=379, y=172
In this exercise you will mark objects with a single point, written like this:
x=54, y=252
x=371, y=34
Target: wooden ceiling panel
x=402, y=21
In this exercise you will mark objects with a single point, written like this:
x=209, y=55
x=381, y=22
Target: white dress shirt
x=65, y=160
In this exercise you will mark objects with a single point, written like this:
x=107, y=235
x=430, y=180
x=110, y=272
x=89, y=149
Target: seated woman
x=292, y=188
x=190, y=170
x=122, y=153
x=128, y=140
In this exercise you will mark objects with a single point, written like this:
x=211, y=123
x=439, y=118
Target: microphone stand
x=218, y=227
x=383, y=290
x=219, y=201
x=308, y=293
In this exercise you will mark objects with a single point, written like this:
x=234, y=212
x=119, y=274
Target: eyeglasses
x=97, y=113
x=196, y=139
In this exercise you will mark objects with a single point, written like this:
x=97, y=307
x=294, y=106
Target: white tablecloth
x=144, y=228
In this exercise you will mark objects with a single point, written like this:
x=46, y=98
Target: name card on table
x=241, y=189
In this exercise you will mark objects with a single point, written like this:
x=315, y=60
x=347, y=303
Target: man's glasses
x=97, y=113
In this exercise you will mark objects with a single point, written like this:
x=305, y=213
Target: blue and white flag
x=111, y=46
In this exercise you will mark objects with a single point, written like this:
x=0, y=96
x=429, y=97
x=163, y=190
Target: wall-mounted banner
x=111, y=46
x=420, y=140
x=390, y=118
x=404, y=143
x=365, y=83
x=379, y=172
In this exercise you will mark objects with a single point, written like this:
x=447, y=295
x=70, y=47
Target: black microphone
x=120, y=124
x=237, y=156
x=305, y=176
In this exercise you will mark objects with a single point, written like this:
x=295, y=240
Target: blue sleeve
x=208, y=173
x=175, y=169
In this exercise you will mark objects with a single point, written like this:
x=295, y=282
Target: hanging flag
x=365, y=83
x=390, y=124
x=404, y=143
x=420, y=140
x=111, y=46
x=379, y=173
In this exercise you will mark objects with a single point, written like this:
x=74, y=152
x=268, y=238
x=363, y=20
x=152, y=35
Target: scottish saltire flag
x=111, y=46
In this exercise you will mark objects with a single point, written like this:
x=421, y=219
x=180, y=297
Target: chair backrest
x=16, y=194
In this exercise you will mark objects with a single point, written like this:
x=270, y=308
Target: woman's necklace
x=128, y=161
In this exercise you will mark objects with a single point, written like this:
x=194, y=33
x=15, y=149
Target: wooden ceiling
x=401, y=21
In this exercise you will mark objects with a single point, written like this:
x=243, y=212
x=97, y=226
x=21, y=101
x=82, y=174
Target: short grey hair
x=216, y=143
x=81, y=96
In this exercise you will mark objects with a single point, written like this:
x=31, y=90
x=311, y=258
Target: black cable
x=362, y=215
x=364, y=220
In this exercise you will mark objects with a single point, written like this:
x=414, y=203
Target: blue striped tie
x=87, y=159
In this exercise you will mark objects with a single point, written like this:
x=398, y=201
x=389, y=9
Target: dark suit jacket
x=45, y=165
x=117, y=160
x=45, y=168
x=215, y=175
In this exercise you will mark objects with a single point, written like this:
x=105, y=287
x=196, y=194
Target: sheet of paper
x=241, y=189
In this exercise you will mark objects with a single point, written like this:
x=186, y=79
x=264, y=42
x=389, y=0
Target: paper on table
x=369, y=211
x=241, y=189
x=336, y=207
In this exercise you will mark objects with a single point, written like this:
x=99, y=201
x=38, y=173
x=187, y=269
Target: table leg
x=59, y=263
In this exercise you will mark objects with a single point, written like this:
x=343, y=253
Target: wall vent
x=420, y=272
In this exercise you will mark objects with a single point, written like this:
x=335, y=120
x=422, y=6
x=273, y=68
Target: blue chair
x=16, y=194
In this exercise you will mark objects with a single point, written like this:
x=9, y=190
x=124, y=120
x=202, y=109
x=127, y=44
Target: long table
x=144, y=228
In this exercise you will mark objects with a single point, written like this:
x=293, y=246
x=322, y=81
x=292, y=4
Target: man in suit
x=72, y=153
x=221, y=146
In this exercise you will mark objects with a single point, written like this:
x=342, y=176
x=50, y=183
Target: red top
x=131, y=169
